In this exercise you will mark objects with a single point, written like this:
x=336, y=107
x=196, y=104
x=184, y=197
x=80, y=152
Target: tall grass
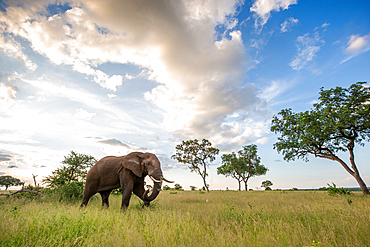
x=188, y=218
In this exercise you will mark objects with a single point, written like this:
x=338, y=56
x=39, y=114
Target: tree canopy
x=336, y=123
x=69, y=179
x=74, y=169
x=267, y=184
x=9, y=181
x=243, y=165
x=197, y=155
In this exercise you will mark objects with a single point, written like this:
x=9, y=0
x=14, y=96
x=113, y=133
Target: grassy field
x=189, y=218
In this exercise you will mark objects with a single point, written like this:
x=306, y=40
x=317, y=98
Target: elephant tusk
x=155, y=180
x=168, y=181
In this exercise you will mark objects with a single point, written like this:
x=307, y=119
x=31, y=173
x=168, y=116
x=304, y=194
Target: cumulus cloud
x=64, y=38
x=288, y=24
x=199, y=73
x=357, y=45
x=308, y=46
x=263, y=8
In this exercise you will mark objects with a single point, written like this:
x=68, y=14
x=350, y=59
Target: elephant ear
x=133, y=163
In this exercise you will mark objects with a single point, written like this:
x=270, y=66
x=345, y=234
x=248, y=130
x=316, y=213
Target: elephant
x=127, y=172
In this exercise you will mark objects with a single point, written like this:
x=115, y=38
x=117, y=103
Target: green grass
x=188, y=218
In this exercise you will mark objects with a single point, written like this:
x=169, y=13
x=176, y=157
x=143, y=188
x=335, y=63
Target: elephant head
x=142, y=164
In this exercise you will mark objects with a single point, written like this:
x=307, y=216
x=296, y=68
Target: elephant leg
x=139, y=191
x=126, y=195
x=105, y=197
x=87, y=195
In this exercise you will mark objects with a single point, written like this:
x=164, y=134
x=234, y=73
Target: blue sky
x=111, y=77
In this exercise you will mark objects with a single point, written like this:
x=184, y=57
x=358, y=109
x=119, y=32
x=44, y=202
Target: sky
x=112, y=77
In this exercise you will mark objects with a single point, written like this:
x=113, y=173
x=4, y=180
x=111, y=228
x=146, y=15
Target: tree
x=231, y=167
x=192, y=187
x=166, y=187
x=178, y=187
x=75, y=169
x=267, y=184
x=9, y=181
x=70, y=178
x=196, y=155
x=251, y=163
x=340, y=120
x=243, y=165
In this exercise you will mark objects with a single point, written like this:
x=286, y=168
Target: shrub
x=69, y=191
x=333, y=190
x=178, y=187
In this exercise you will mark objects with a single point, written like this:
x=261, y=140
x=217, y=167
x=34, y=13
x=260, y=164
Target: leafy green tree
x=340, y=120
x=196, y=154
x=166, y=187
x=243, y=165
x=9, y=181
x=267, y=184
x=178, y=187
x=251, y=162
x=70, y=178
x=231, y=167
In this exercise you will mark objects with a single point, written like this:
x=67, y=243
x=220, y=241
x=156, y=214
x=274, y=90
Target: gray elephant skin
x=127, y=172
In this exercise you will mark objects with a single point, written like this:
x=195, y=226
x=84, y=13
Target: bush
x=166, y=187
x=69, y=191
x=333, y=190
x=178, y=187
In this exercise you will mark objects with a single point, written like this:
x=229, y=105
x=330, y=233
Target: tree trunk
x=246, y=182
x=205, y=183
x=239, y=185
x=362, y=184
x=356, y=173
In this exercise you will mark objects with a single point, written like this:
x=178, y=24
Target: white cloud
x=7, y=96
x=84, y=115
x=13, y=49
x=200, y=81
x=129, y=77
x=288, y=24
x=263, y=10
x=54, y=38
x=357, y=45
x=262, y=140
x=275, y=89
x=308, y=46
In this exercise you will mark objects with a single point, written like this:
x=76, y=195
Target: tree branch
x=21, y=191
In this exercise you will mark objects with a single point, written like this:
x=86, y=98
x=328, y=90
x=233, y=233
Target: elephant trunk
x=157, y=177
x=154, y=194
